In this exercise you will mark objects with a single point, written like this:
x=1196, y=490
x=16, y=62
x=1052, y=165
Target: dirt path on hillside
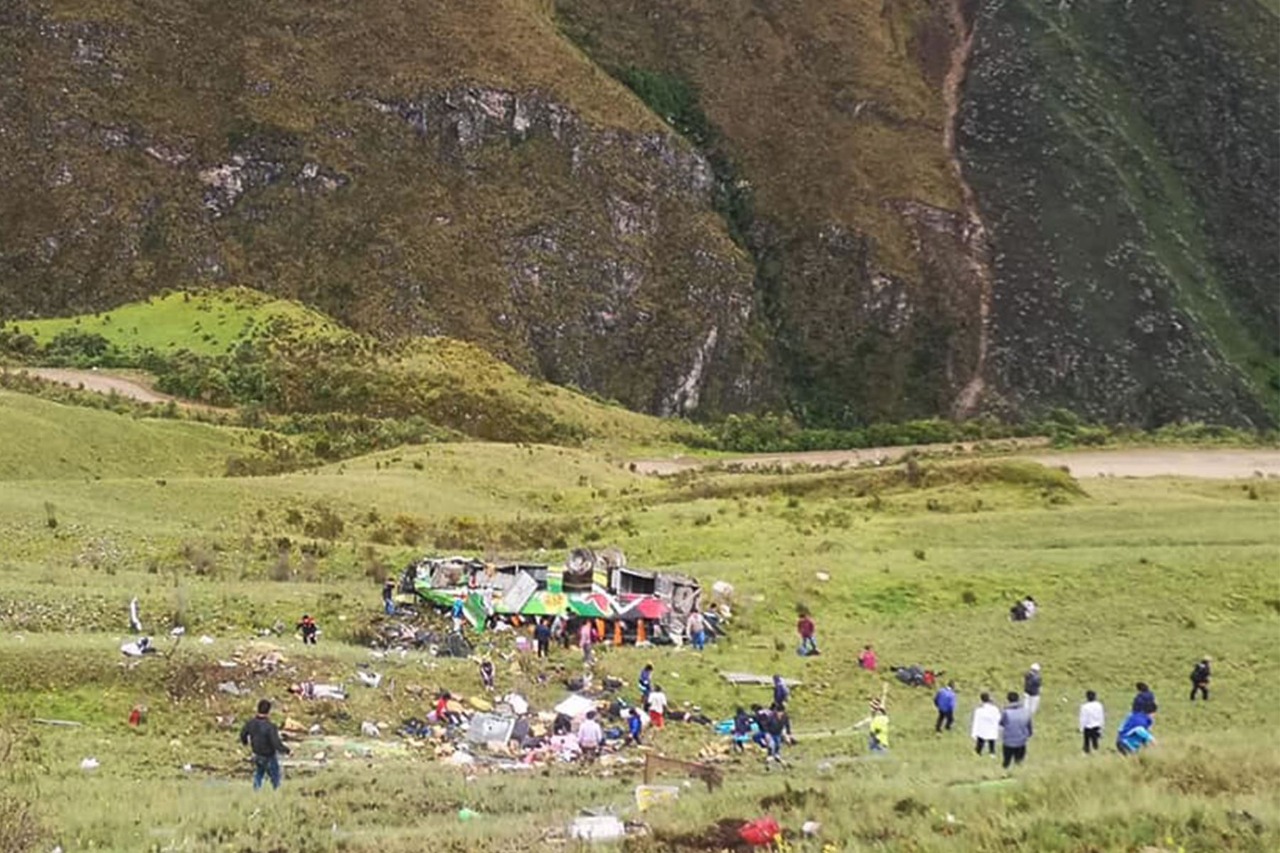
x=1128, y=462
x=102, y=383
x=831, y=458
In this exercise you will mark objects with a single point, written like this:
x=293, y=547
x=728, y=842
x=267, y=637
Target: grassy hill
x=46, y=440
x=207, y=322
x=1136, y=579
x=239, y=347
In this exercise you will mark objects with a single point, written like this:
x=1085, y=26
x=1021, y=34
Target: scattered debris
x=206, y=640
x=369, y=679
x=44, y=722
x=369, y=729
x=597, y=828
x=822, y=576
x=761, y=832
x=648, y=796
x=811, y=828
x=752, y=678
x=90, y=763
x=229, y=687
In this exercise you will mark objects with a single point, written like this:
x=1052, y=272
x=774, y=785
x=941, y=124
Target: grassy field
x=1137, y=579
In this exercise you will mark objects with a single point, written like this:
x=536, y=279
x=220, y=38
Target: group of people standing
x=1013, y=725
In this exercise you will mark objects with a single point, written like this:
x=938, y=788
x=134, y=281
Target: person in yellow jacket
x=877, y=727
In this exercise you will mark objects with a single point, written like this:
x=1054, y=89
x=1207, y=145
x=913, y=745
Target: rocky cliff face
x=856, y=209
x=1125, y=157
x=572, y=235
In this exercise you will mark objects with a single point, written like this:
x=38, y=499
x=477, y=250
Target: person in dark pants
x=1092, y=719
x=1015, y=730
x=781, y=695
x=262, y=736
x=945, y=701
x=1200, y=679
x=542, y=637
x=389, y=597
x=645, y=683
x=986, y=725
x=309, y=630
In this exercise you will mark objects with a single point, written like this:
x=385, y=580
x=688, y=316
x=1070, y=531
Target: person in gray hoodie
x=1015, y=730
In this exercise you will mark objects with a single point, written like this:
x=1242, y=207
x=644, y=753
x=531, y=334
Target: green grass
x=46, y=440
x=205, y=322
x=1136, y=578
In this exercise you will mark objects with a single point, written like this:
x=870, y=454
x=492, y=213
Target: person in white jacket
x=1092, y=719
x=986, y=725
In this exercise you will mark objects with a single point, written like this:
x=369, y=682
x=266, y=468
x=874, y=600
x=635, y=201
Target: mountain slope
x=857, y=210
x=407, y=168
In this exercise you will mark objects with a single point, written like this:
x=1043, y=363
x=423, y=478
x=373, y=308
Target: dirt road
x=92, y=380
x=1121, y=462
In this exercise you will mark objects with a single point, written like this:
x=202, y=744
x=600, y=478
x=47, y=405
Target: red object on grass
x=135, y=717
x=760, y=832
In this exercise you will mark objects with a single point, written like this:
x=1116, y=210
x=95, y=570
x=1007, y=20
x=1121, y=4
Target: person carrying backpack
x=1200, y=679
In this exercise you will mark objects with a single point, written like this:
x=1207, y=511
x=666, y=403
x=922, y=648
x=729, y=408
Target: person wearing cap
x=1015, y=730
x=1031, y=684
x=1200, y=679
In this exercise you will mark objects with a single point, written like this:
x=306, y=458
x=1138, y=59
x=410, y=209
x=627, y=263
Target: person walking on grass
x=1015, y=730
x=1200, y=679
x=945, y=701
x=1031, y=684
x=808, y=635
x=697, y=628
x=645, y=682
x=262, y=736
x=781, y=694
x=986, y=725
x=657, y=707
x=1144, y=701
x=1092, y=719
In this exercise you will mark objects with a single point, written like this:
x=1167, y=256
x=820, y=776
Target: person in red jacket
x=808, y=639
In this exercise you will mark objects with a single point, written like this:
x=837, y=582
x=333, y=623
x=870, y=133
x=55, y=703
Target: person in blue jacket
x=780, y=692
x=1144, y=701
x=634, y=727
x=945, y=701
x=645, y=683
x=1134, y=733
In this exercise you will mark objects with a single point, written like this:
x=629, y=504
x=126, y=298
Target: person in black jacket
x=1144, y=701
x=262, y=736
x=1200, y=679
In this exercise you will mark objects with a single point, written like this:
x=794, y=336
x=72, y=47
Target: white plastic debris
x=459, y=759
x=229, y=687
x=822, y=576
x=177, y=631
x=811, y=828
x=369, y=679
x=369, y=729
x=206, y=640
x=597, y=828
x=90, y=764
